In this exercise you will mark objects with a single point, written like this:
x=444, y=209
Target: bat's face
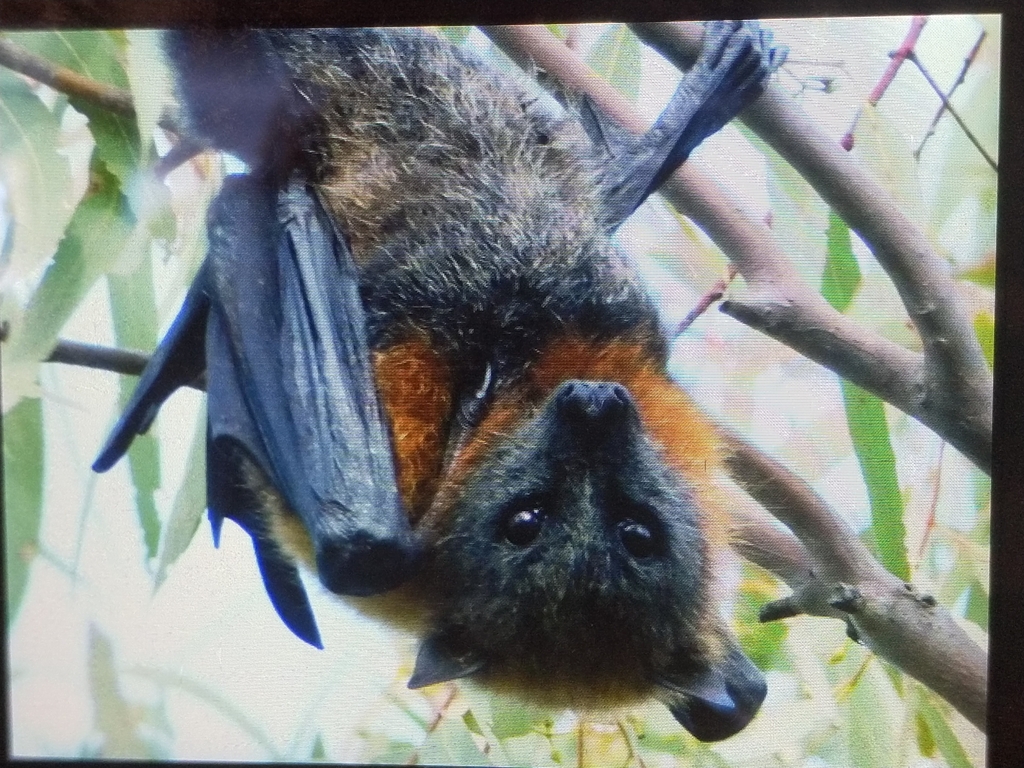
x=574, y=553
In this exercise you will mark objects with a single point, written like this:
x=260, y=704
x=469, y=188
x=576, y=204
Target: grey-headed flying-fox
x=435, y=380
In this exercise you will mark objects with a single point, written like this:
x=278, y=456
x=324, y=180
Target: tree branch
x=834, y=575
x=65, y=80
x=949, y=387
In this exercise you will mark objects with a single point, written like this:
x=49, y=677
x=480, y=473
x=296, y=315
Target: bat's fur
x=476, y=222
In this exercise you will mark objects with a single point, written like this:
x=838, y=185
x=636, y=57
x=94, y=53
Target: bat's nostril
x=591, y=402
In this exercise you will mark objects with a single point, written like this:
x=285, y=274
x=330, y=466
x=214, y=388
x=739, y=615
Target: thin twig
x=953, y=113
x=65, y=80
x=968, y=61
x=896, y=60
x=102, y=358
x=713, y=294
x=435, y=720
x=933, y=506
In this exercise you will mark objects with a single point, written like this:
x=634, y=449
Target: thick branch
x=953, y=385
x=890, y=617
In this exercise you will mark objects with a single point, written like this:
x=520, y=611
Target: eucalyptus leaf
x=35, y=176
x=616, y=56
x=95, y=238
x=24, y=466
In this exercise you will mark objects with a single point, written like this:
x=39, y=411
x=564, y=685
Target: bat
x=433, y=379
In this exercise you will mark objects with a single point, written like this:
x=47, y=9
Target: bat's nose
x=593, y=403
x=366, y=565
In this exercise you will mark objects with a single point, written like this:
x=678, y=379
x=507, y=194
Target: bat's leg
x=734, y=64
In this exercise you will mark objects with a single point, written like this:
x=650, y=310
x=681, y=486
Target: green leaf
x=616, y=56
x=133, y=306
x=983, y=273
x=318, y=752
x=451, y=744
x=946, y=741
x=925, y=740
x=883, y=148
x=872, y=735
x=512, y=717
x=977, y=604
x=113, y=717
x=24, y=465
x=150, y=82
x=985, y=330
x=99, y=55
x=865, y=416
x=841, y=276
x=188, y=507
x=395, y=753
x=95, y=238
x=37, y=178
x=471, y=722
x=665, y=743
x=117, y=140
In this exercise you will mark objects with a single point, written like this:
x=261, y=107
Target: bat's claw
x=738, y=57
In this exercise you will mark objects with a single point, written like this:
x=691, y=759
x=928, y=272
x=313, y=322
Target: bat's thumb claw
x=366, y=565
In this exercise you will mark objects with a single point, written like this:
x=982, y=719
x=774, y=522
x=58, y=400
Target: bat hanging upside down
x=433, y=379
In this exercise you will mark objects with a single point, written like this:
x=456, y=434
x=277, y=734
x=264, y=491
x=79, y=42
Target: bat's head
x=574, y=567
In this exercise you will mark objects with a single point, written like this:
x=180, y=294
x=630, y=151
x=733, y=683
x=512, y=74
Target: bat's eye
x=522, y=526
x=636, y=538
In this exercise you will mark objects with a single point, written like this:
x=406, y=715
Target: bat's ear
x=718, y=700
x=439, y=659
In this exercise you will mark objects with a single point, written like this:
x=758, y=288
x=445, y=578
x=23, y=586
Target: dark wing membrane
x=298, y=337
x=177, y=362
x=734, y=64
x=275, y=319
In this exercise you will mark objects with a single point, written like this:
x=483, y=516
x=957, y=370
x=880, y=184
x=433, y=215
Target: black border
x=1006, y=680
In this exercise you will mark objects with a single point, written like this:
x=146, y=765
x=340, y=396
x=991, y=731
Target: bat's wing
x=276, y=320
x=734, y=64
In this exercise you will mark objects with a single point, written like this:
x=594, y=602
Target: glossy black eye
x=522, y=527
x=636, y=538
